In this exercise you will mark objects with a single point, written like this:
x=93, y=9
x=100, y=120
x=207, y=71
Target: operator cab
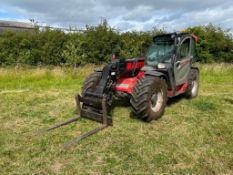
x=169, y=48
x=171, y=54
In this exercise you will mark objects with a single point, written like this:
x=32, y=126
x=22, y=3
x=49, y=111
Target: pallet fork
x=100, y=117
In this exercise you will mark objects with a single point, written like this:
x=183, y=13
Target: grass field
x=193, y=137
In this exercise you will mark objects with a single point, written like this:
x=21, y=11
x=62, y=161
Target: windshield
x=160, y=51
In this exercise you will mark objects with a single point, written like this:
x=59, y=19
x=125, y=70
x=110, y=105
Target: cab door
x=183, y=60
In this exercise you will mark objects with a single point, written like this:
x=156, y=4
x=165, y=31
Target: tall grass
x=193, y=137
x=42, y=77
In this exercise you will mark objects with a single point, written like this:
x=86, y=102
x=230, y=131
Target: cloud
x=140, y=13
x=122, y=14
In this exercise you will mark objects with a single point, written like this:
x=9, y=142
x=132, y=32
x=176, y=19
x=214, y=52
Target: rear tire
x=149, y=98
x=193, y=84
x=90, y=82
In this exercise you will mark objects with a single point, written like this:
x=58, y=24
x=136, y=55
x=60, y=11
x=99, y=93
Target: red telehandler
x=166, y=71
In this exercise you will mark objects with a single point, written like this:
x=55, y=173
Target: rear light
x=195, y=38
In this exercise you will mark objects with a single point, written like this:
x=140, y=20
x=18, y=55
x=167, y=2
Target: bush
x=96, y=44
x=214, y=45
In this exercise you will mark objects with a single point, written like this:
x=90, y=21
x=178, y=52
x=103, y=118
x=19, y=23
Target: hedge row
x=96, y=44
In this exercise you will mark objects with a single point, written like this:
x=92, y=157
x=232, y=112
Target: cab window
x=192, y=48
x=184, y=50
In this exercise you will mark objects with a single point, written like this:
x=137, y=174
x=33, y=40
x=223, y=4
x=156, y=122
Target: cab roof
x=175, y=35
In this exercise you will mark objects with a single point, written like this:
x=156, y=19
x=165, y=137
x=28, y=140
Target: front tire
x=90, y=82
x=149, y=98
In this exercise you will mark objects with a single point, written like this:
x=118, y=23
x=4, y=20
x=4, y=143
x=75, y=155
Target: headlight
x=161, y=66
x=113, y=73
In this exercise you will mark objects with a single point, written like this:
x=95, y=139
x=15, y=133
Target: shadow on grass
x=174, y=100
x=118, y=102
x=229, y=100
x=123, y=102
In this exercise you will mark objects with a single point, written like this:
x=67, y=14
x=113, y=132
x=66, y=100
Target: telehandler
x=166, y=71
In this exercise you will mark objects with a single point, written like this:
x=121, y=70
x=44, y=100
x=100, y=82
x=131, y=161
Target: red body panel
x=134, y=65
x=126, y=84
x=170, y=93
x=182, y=88
x=179, y=90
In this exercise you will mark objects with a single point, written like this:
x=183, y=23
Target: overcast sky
x=122, y=14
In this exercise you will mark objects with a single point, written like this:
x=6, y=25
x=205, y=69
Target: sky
x=124, y=15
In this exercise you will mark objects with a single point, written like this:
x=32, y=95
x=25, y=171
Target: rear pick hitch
x=104, y=122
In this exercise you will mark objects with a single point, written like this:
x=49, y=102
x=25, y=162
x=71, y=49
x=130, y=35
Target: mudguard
x=167, y=74
x=156, y=74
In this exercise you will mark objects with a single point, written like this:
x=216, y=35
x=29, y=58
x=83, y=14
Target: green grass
x=193, y=137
